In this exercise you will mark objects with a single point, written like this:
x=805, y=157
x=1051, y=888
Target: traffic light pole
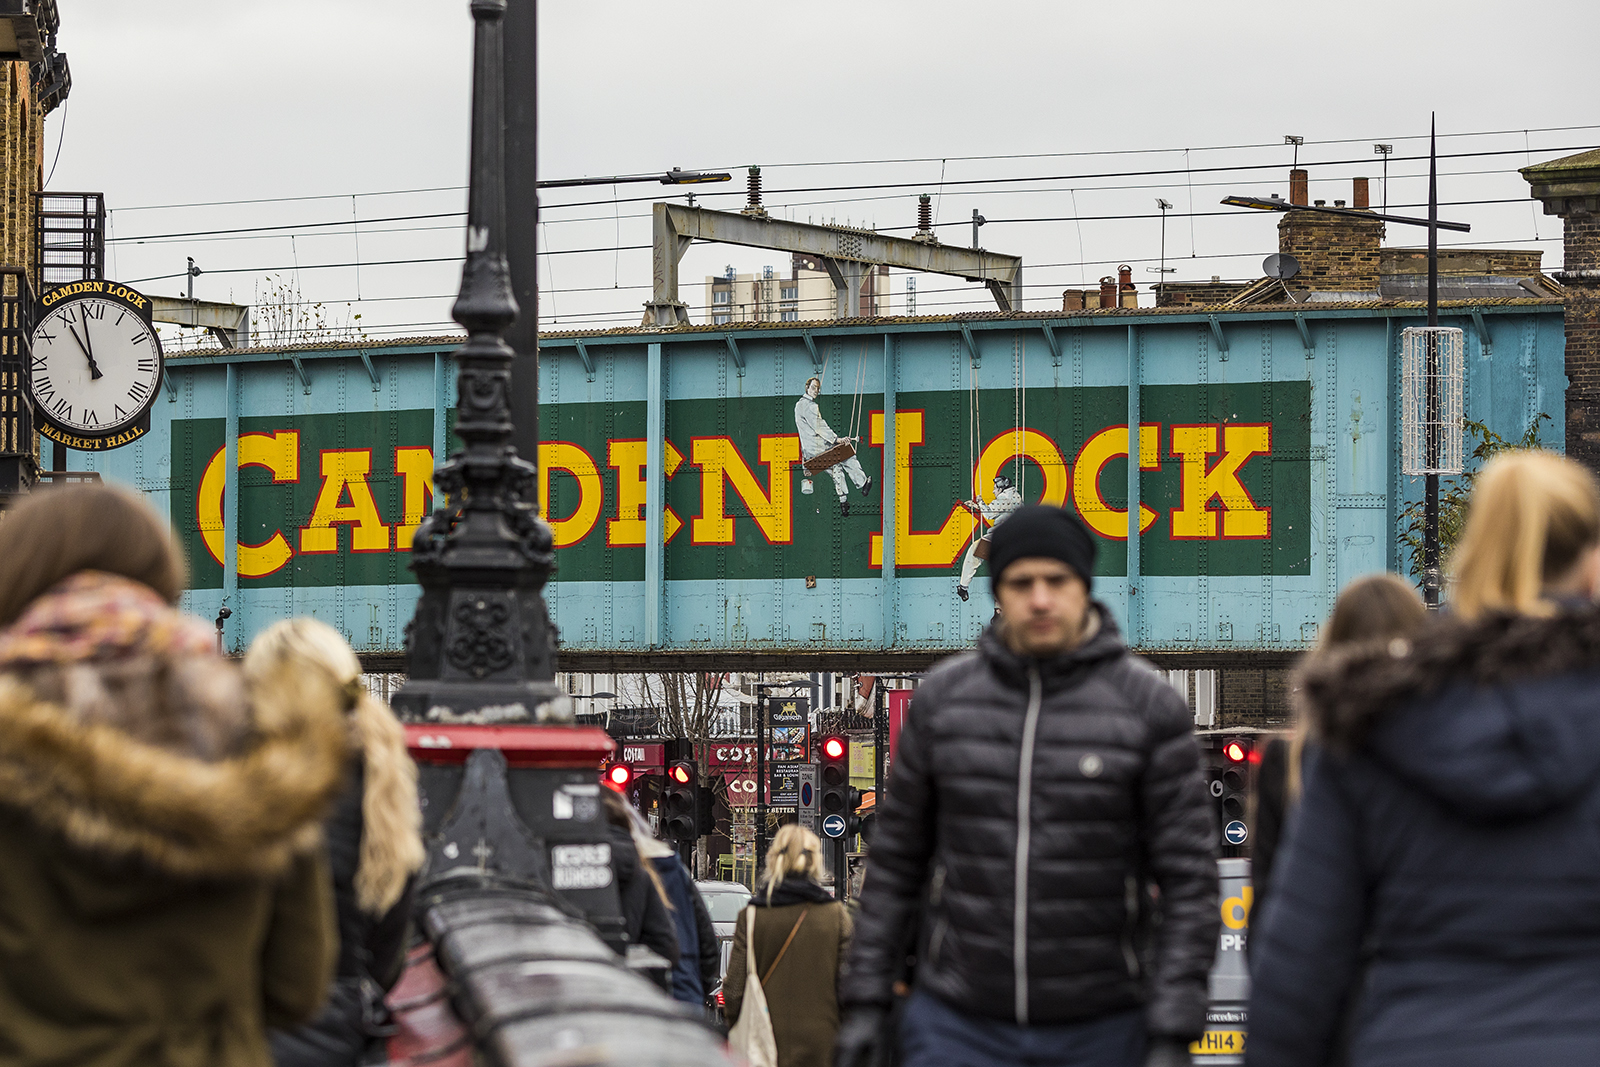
x=760, y=858
x=880, y=740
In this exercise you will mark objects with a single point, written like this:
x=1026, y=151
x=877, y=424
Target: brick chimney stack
x=1359, y=194
x=1570, y=188
x=1337, y=253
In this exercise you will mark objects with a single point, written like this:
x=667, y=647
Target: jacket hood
x=1105, y=643
x=170, y=761
x=1498, y=716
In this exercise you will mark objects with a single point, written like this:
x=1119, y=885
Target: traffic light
x=1231, y=778
x=852, y=821
x=705, y=811
x=680, y=803
x=833, y=792
x=618, y=776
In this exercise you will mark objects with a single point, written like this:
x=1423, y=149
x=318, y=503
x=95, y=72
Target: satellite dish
x=1280, y=265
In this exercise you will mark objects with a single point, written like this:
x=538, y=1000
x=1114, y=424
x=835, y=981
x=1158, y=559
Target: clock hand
x=94, y=371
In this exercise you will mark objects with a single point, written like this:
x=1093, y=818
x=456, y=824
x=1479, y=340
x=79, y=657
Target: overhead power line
x=912, y=159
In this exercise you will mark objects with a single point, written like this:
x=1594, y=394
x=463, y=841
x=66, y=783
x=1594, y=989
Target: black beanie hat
x=1041, y=530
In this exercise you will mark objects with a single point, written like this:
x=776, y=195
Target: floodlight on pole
x=1385, y=150
x=1163, y=205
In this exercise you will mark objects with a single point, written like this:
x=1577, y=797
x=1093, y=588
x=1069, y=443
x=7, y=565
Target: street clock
x=96, y=365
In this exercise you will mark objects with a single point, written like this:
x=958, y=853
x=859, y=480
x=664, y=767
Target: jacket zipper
x=937, y=941
x=1130, y=899
x=1019, y=947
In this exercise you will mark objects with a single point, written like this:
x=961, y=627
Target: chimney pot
x=1359, y=196
x=1338, y=203
x=1216, y=279
x=1298, y=181
x=1321, y=203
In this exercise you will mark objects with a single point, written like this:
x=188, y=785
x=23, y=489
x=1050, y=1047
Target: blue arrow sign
x=1235, y=832
x=833, y=826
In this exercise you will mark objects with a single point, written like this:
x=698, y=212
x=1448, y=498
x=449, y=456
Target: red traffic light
x=1236, y=751
x=618, y=775
x=833, y=748
x=679, y=773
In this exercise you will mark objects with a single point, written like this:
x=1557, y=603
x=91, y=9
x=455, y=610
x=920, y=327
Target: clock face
x=96, y=365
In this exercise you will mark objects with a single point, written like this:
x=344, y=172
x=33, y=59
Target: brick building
x=33, y=80
x=1570, y=188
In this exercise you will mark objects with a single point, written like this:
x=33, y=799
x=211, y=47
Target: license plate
x=1218, y=1043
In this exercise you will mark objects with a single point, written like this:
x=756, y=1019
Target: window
x=788, y=316
x=718, y=320
x=789, y=292
x=722, y=296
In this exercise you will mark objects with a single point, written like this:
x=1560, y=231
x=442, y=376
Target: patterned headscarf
x=94, y=616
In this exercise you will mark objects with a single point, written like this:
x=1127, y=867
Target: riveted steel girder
x=841, y=250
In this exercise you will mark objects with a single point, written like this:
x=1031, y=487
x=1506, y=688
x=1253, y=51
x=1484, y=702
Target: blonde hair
x=1533, y=515
x=795, y=851
x=391, y=819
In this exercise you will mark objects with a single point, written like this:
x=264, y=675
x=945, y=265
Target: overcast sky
x=330, y=110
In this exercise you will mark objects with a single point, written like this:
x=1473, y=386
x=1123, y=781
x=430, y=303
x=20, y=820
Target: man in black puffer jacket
x=1042, y=785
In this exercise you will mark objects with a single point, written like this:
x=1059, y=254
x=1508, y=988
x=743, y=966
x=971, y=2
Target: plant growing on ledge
x=1453, y=502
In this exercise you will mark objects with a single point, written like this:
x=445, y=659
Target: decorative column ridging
x=481, y=647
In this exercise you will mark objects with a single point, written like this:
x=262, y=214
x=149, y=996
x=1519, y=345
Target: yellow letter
x=717, y=459
x=415, y=468
x=1035, y=446
x=628, y=459
x=1102, y=448
x=345, y=471
x=937, y=548
x=1240, y=516
x=278, y=453
x=563, y=455
x=1236, y=910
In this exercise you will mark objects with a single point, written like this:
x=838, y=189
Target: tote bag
x=752, y=1037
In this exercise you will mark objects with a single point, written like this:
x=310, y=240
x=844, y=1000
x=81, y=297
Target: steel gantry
x=845, y=253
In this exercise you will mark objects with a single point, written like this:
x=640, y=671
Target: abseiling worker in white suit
x=1006, y=500
x=816, y=437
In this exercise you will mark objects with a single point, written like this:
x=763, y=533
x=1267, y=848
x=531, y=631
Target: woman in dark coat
x=646, y=914
x=1439, y=893
x=1372, y=608
x=374, y=850
x=792, y=909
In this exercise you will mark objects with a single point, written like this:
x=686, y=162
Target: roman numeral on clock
x=140, y=339
x=147, y=364
x=94, y=311
x=61, y=408
x=139, y=390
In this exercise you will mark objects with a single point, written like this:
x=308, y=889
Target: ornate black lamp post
x=481, y=647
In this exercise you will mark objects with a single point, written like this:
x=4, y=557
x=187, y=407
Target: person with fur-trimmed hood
x=164, y=894
x=374, y=850
x=1437, y=900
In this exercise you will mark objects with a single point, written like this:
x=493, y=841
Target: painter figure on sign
x=1006, y=500
x=823, y=450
